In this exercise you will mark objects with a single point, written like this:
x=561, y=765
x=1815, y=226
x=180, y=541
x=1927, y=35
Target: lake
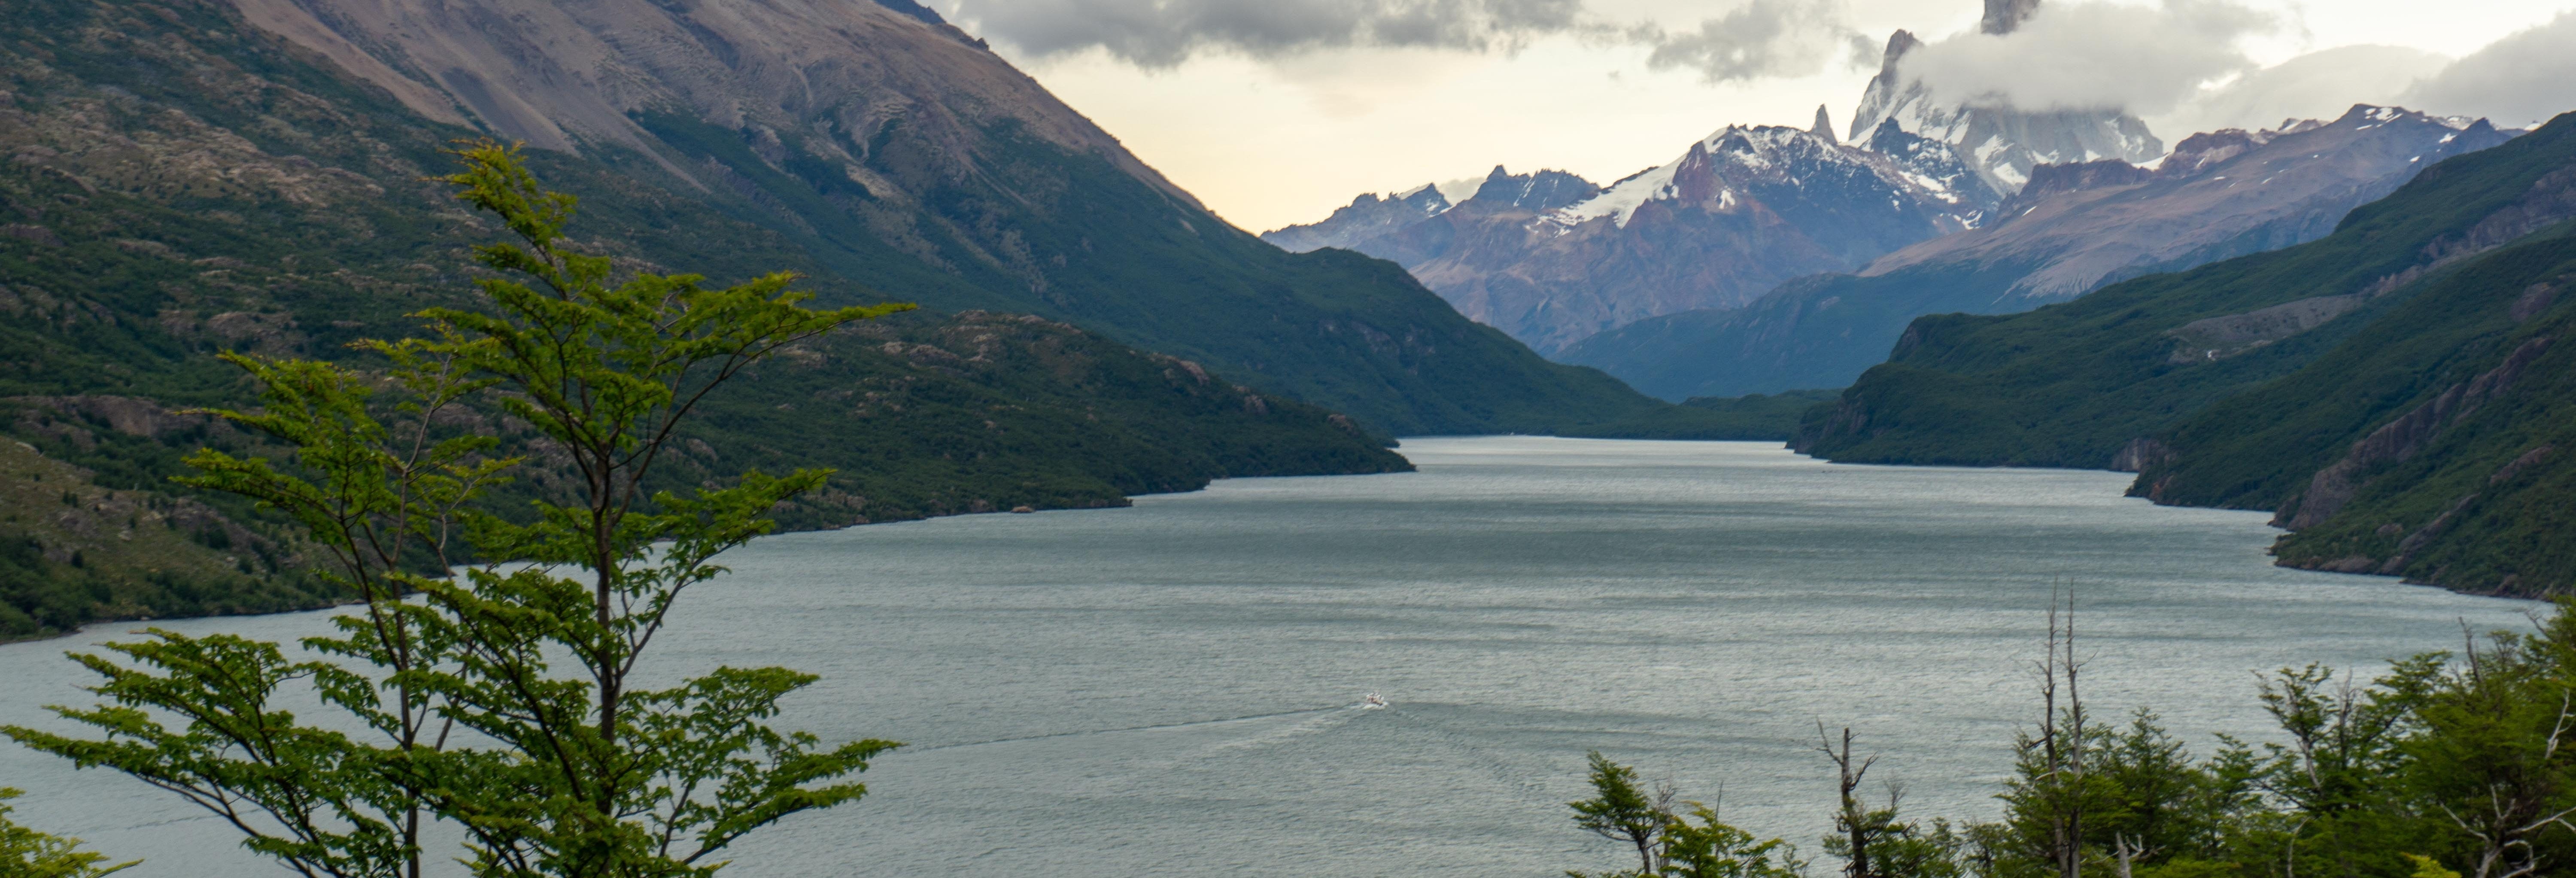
x=1172, y=689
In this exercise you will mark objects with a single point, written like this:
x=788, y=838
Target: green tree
x=26, y=853
x=1621, y=811
x=569, y=768
x=1710, y=848
x=2489, y=753
x=1671, y=844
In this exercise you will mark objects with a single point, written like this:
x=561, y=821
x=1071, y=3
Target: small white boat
x=1371, y=702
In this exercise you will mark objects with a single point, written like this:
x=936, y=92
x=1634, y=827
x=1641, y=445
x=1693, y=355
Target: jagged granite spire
x=2004, y=143
x=1824, y=125
x=2003, y=16
x=1881, y=97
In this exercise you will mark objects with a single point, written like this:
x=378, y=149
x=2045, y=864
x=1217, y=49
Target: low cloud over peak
x=2094, y=56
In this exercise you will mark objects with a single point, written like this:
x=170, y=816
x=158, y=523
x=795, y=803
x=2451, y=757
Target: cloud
x=1760, y=39
x=2526, y=77
x=1164, y=33
x=2093, y=56
x=2317, y=85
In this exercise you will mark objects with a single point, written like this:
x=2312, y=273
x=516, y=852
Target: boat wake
x=1369, y=702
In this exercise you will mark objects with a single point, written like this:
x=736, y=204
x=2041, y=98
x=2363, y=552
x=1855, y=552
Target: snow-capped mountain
x=2002, y=143
x=2073, y=229
x=1738, y=212
x=1551, y=259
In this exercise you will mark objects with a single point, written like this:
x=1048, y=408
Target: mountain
x=1550, y=259
x=2394, y=391
x=1367, y=217
x=180, y=181
x=1736, y=215
x=895, y=148
x=2072, y=229
x=2004, y=144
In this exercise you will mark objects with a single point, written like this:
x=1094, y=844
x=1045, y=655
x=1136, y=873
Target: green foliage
x=2451, y=764
x=566, y=766
x=26, y=853
x=1620, y=810
x=1670, y=843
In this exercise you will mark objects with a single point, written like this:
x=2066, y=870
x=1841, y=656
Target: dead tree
x=2062, y=738
x=1854, y=820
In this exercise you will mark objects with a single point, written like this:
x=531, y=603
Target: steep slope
x=895, y=148
x=2427, y=445
x=1550, y=259
x=2071, y=230
x=178, y=184
x=2086, y=382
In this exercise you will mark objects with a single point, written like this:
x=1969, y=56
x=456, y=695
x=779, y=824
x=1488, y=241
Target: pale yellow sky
x=1270, y=142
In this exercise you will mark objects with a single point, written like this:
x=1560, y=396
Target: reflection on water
x=1175, y=689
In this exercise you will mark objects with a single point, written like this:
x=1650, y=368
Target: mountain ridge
x=900, y=149
x=2074, y=229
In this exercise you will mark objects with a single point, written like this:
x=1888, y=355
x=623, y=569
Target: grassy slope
x=179, y=186
x=2072, y=384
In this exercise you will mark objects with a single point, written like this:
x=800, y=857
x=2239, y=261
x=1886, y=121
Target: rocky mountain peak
x=1367, y=216
x=1538, y=191
x=2205, y=150
x=2006, y=16
x=1824, y=125
x=1880, y=96
x=2003, y=144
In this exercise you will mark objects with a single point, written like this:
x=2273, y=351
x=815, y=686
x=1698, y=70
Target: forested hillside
x=2364, y=384
x=178, y=184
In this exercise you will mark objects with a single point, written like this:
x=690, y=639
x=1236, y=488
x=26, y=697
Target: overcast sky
x=1276, y=111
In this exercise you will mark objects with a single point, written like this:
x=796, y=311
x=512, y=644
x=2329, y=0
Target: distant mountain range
x=1551, y=258
x=1771, y=259
x=1735, y=215
x=2397, y=392
x=2071, y=229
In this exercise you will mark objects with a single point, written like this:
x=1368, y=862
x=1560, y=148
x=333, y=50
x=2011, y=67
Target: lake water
x=1171, y=689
